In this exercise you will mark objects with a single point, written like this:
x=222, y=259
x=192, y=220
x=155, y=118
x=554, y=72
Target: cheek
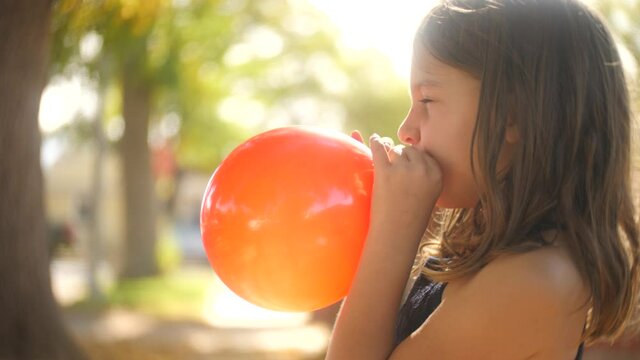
x=447, y=137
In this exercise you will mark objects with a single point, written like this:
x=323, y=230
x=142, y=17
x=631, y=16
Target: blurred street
x=135, y=333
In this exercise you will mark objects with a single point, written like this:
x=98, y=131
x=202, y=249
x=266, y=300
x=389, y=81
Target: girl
x=519, y=137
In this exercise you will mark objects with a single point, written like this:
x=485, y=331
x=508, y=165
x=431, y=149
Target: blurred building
x=69, y=193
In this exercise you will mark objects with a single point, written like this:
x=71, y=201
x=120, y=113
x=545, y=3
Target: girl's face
x=444, y=106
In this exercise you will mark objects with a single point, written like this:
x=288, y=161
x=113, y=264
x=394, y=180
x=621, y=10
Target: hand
x=407, y=183
x=387, y=142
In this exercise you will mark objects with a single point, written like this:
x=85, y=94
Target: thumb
x=378, y=152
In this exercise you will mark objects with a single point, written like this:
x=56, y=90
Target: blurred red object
x=285, y=216
x=61, y=235
x=163, y=160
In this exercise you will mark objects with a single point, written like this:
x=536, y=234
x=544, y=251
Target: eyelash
x=426, y=101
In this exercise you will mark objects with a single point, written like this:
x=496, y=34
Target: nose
x=409, y=130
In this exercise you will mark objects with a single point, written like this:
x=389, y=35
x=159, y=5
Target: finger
x=396, y=153
x=378, y=152
x=356, y=135
x=432, y=164
x=412, y=154
x=415, y=155
x=387, y=141
x=431, y=161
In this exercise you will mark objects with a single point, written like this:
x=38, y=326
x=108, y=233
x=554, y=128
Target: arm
x=486, y=316
x=406, y=186
x=526, y=314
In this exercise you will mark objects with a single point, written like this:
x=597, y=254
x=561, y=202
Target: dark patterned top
x=423, y=299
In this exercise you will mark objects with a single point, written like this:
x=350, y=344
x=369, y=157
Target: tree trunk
x=30, y=324
x=94, y=240
x=140, y=212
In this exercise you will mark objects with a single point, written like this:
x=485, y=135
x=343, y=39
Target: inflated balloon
x=285, y=216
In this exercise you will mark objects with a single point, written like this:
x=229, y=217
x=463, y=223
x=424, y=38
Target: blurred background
x=146, y=97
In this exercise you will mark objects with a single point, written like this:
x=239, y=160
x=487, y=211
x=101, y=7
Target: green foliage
x=378, y=101
x=228, y=69
x=179, y=294
x=168, y=253
x=175, y=295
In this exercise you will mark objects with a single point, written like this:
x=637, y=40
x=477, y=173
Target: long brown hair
x=551, y=68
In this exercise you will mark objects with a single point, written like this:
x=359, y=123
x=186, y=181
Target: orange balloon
x=285, y=216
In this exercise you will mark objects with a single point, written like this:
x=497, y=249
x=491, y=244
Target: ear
x=511, y=135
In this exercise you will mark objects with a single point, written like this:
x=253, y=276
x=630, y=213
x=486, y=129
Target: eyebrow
x=426, y=77
x=429, y=82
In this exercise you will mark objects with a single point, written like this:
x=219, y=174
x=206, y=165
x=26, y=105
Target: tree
x=125, y=28
x=195, y=59
x=31, y=326
x=141, y=45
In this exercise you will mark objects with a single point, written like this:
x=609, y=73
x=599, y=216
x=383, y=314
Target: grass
x=176, y=295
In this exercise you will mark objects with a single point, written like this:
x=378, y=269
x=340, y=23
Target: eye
x=426, y=101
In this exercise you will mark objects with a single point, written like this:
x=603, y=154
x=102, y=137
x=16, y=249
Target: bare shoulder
x=549, y=272
x=518, y=306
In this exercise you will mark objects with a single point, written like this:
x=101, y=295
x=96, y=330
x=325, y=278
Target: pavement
x=122, y=331
x=195, y=340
